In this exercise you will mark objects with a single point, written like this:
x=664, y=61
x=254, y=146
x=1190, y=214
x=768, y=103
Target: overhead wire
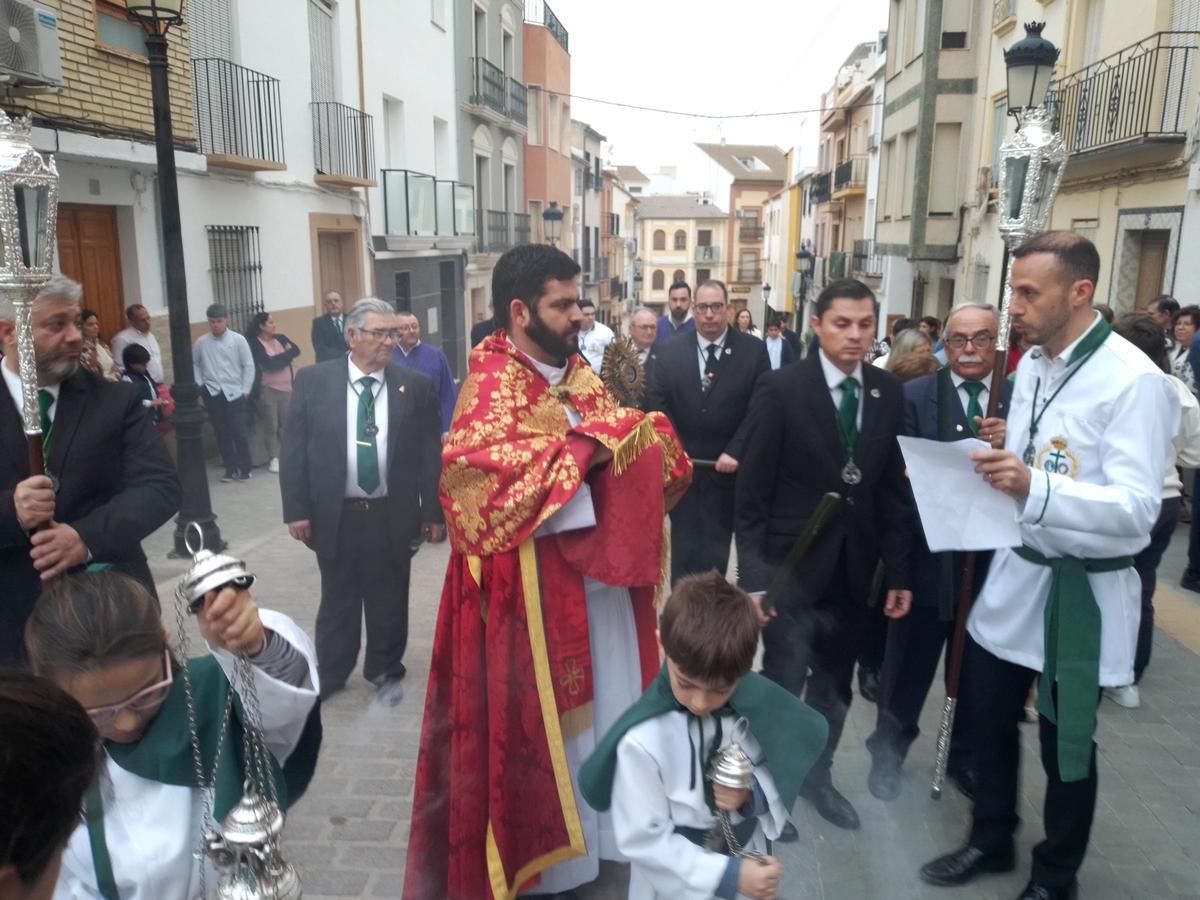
x=696, y=115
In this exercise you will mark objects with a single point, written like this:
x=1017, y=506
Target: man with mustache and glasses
x=554, y=498
x=947, y=406
x=109, y=480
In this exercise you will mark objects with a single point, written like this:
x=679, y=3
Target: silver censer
x=731, y=768
x=245, y=849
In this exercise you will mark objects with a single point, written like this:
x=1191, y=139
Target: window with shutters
x=209, y=33
x=320, y=48
x=681, y=240
x=117, y=33
x=658, y=280
x=235, y=265
x=660, y=240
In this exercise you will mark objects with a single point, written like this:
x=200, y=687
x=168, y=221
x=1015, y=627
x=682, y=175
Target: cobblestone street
x=348, y=835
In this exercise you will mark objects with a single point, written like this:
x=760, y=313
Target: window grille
x=235, y=264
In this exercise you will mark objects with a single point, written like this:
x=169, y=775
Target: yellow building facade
x=680, y=238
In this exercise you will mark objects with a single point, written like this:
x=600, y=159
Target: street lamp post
x=157, y=17
x=552, y=220
x=1031, y=167
x=804, y=267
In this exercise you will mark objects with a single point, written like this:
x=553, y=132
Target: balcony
x=837, y=265
x=750, y=234
x=422, y=212
x=1004, y=16
x=343, y=145
x=497, y=97
x=708, y=254
x=1138, y=98
x=237, y=116
x=818, y=188
x=850, y=178
x=538, y=12
x=864, y=262
x=522, y=228
x=496, y=235
x=749, y=273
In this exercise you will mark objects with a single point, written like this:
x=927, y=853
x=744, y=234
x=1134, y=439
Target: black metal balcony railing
x=708, y=254
x=416, y=204
x=237, y=111
x=491, y=84
x=1002, y=10
x=851, y=173
x=749, y=273
x=837, y=265
x=522, y=228
x=518, y=104
x=818, y=190
x=1143, y=92
x=750, y=234
x=497, y=236
x=864, y=260
x=550, y=20
x=343, y=141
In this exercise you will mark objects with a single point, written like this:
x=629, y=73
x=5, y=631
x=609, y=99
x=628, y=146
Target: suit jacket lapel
x=393, y=382
x=335, y=398
x=820, y=400
x=68, y=413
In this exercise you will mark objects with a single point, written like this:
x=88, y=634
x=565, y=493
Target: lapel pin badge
x=875, y=393
x=402, y=389
x=958, y=428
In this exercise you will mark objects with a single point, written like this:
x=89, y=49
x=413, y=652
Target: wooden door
x=340, y=264
x=1152, y=264
x=90, y=253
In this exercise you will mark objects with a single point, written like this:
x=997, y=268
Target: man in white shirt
x=225, y=373
x=778, y=350
x=139, y=332
x=1090, y=424
x=594, y=337
x=359, y=474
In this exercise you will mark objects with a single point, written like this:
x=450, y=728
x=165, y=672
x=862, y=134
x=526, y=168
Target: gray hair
x=357, y=317
x=59, y=286
x=906, y=344
x=963, y=307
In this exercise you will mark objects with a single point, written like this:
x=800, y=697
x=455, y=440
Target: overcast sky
x=708, y=56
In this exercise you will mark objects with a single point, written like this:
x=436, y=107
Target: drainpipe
x=362, y=105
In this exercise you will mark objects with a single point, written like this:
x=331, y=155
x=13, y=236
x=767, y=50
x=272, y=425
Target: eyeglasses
x=706, y=309
x=382, y=334
x=981, y=341
x=144, y=701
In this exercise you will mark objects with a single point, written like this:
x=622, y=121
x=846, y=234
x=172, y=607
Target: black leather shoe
x=1035, y=891
x=789, y=835
x=884, y=779
x=964, y=864
x=390, y=692
x=963, y=779
x=868, y=683
x=1187, y=582
x=832, y=806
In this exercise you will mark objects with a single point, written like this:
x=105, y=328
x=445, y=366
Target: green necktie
x=45, y=401
x=848, y=417
x=368, y=455
x=973, y=389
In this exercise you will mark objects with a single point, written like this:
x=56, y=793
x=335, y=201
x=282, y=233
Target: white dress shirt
x=1097, y=480
x=381, y=422
x=593, y=343
x=775, y=351
x=834, y=378
x=131, y=335
x=704, y=343
x=964, y=398
x=13, y=382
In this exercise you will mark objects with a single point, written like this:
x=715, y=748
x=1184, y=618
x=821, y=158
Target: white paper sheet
x=959, y=509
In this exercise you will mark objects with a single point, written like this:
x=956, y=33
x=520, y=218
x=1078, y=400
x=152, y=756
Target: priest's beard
x=56, y=369
x=558, y=346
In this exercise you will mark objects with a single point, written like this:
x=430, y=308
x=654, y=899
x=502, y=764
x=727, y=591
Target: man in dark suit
x=359, y=477
x=329, y=330
x=828, y=424
x=112, y=482
x=703, y=382
x=643, y=327
x=946, y=406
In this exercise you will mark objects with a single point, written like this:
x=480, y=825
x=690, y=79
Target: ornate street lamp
x=28, y=222
x=552, y=219
x=1031, y=168
x=157, y=17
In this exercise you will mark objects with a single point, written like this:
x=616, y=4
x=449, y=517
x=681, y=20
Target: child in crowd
x=47, y=762
x=135, y=358
x=652, y=767
x=99, y=636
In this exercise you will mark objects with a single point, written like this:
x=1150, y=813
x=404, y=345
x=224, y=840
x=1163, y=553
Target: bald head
x=410, y=330
x=643, y=328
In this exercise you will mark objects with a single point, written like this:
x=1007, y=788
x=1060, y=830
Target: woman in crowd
x=744, y=322
x=907, y=346
x=95, y=356
x=273, y=354
x=99, y=636
x=1186, y=323
x=47, y=762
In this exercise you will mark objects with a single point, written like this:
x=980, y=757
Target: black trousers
x=702, y=525
x=232, y=429
x=998, y=692
x=823, y=636
x=915, y=644
x=1146, y=564
x=368, y=575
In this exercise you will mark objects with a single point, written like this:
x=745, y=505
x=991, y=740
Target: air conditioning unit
x=29, y=51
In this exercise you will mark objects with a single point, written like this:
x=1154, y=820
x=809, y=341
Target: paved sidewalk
x=348, y=836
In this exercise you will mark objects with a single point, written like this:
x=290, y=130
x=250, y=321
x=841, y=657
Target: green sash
x=1072, y=665
x=164, y=754
x=791, y=734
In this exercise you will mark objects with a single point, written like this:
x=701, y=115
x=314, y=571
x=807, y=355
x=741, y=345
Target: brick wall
x=108, y=89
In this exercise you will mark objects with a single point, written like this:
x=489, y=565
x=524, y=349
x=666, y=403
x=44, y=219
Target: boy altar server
x=653, y=766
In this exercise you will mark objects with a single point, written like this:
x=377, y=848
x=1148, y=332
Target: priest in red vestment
x=554, y=498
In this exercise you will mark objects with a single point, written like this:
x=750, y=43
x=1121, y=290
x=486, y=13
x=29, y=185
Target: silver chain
x=735, y=848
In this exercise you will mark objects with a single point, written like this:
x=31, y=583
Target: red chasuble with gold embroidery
x=511, y=676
